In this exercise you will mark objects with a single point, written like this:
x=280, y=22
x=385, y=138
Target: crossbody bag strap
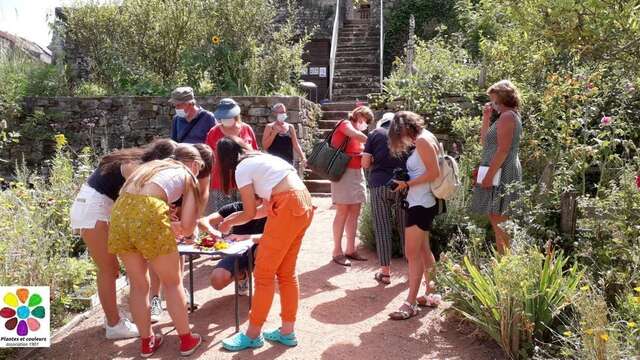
x=192, y=124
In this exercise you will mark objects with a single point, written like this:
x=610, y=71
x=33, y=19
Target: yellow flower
x=631, y=325
x=215, y=40
x=604, y=337
x=636, y=299
x=637, y=289
x=585, y=288
x=61, y=141
x=567, y=333
x=589, y=332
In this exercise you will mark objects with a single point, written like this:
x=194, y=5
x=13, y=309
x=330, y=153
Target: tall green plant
x=515, y=298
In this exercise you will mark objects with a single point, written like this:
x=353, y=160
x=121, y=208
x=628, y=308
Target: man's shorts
x=228, y=262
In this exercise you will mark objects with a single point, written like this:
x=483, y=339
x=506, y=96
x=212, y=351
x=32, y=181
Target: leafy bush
x=38, y=247
x=516, y=298
x=149, y=47
x=444, y=77
x=87, y=88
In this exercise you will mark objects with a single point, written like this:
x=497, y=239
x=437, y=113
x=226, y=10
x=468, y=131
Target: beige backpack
x=448, y=183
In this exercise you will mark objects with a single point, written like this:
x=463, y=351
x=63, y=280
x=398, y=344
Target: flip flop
x=405, y=314
x=341, y=260
x=355, y=256
x=382, y=278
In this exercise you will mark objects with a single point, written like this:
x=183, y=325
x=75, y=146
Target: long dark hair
x=207, y=156
x=156, y=150
x=230, y=150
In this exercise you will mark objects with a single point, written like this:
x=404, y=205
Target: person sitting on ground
x=224, y=271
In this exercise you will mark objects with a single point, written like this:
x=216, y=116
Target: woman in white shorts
x=90, y=215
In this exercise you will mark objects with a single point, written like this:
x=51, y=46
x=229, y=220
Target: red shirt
x=214, y=135
x=354, y=147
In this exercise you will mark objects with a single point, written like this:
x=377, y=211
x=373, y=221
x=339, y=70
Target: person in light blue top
x=192, y=123
x=407, y=131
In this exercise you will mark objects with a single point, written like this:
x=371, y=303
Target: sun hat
x=388, y=116
x=182, y=94
x=227, y=109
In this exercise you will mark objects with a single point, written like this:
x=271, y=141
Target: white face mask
x=281, y=117
x=362, y=126
x=181, y=113
x=228, y=122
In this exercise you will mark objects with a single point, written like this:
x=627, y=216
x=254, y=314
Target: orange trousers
x=290, y=214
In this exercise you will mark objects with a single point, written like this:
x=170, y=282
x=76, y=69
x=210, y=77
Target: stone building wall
x=105, y=123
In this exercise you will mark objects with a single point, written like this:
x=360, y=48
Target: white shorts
x=89, y=207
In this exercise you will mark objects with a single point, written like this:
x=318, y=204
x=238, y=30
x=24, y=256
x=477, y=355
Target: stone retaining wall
x=105, y=123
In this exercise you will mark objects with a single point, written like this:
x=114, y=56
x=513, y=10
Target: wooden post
x=568, y=207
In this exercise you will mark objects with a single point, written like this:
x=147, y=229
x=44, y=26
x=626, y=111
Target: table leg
x=191, y=305
x=236, y=271
x=250, y=277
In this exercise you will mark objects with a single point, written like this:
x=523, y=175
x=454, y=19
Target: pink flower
x=638, y=181
x=606, y=121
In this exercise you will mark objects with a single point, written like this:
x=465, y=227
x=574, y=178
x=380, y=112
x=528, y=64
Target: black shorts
x=228, y=262
x=422, y=217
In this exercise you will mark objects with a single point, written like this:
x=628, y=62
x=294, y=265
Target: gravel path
x=342, y=315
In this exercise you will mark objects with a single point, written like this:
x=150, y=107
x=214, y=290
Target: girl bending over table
x=289, y=215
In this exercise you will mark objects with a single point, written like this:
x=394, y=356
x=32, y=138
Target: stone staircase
x=356, y=74
x=357, y=67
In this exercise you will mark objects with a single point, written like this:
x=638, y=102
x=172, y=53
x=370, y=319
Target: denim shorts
x=228, y=262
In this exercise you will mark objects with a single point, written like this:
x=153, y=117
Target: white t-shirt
x=264, y=171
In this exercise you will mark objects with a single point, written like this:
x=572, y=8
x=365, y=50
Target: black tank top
x=108, y=184
x=282, y=147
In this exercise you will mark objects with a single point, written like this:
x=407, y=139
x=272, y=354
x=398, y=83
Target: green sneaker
x=240, y=341
x=275, y=335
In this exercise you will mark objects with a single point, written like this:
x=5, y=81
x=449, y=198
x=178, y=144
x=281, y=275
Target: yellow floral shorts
x=141, y=223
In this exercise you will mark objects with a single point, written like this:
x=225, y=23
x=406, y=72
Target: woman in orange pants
x=290, y=213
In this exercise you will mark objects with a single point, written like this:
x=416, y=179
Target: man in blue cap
x=191, y=122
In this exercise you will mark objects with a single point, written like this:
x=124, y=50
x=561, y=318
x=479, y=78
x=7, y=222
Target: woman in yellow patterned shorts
x=142, y=233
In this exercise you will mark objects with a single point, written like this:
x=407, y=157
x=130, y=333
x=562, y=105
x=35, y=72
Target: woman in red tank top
x=348, y=193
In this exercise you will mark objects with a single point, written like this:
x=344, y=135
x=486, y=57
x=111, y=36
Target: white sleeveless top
x=419, y=195
x=172, y=181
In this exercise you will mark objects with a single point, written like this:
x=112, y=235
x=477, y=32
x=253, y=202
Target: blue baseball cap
x=227, y=109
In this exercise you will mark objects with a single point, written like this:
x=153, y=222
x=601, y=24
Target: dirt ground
x=342, y=315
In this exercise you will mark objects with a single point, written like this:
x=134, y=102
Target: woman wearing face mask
x=348, y=193
x=279, y=137
x=228, y=112
x=500, y=143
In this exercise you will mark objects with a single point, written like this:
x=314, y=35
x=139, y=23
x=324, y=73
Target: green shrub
x=89, y=89
x=516, y=298
x=38, y=247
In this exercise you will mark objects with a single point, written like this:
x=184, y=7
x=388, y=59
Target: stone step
x=353, y=98
x=357, y=21
x=328, y=124
x=334, y=115
x=366, y=58
x=349, y=78
x=357, y=38
x=358, y=43
x=342, y=54
x=358, y=34
x=358, y=91
x=340, y=105
x=362, y=48
x=351, y=85
x=318, y=186
x=357, y=65
x=355, y=72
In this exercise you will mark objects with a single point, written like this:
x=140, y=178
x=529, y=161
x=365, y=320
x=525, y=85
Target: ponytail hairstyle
x=207, y=157
x=230, y=150
x=404, y=129
x=183, y=154
x=156, y=150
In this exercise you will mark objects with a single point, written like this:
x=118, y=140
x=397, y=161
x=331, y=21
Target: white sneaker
x=123, y=330
x=243, y=286
x=156, y=309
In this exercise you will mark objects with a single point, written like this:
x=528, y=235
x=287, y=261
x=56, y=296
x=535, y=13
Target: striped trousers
x=386, y=206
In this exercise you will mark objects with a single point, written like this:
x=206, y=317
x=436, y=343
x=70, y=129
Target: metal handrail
x=334, y=48
x=381, y=43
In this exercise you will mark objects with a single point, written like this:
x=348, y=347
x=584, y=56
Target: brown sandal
x=382, y=278
x=405, y=314
x=341, y=260
x=355, y=256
